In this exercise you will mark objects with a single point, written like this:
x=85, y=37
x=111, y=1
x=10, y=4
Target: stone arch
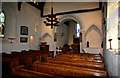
x=93, y=27
x=48, y=38
x=81, y=24
x=46, y=35
x=95, y=42
x=73, y=17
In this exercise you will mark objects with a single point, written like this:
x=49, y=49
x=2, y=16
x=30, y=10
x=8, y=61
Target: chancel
x=47, y=39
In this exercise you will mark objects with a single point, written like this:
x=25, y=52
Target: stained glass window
x=2, y=20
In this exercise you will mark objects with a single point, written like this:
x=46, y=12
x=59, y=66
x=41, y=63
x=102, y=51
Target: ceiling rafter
x=78, y=11
x=38, y=5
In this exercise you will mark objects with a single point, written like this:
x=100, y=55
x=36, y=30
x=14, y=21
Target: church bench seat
x=24, y=58
x=80, y=59
x=38, y=52
x=70, y=70
x=20, y=71
x=75, y=61
x=81, y=55
x=53, y=70
x=21, y=59
x=16, y=53
x=96, y=56
x=28, y=60
x=40, y=56
x=78, y=64
x=9, y=61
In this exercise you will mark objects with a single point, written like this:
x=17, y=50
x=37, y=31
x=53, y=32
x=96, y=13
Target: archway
x=78, y=21
x=73, y=17
x=65, y=32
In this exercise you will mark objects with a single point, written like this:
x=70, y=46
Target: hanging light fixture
x=51, y=20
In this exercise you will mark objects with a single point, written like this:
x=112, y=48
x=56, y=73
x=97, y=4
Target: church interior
x=58, y=39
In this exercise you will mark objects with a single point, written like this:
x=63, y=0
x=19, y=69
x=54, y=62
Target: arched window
x=2, y=20
x=77, y=30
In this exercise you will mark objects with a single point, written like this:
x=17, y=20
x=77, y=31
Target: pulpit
x=43, y=46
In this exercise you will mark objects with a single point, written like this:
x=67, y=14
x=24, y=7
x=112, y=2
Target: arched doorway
x=66, y=19
x=66, y=31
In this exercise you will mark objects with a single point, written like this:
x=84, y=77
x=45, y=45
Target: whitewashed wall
x=71, y=32
x=112, y=63
x=61, y=40
x=94, y=39
x=112, y=24
x=111, y=60
x=94, y=50
x=28, y=16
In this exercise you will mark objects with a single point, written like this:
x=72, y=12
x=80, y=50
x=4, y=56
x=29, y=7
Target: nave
x=42, y=64
x=29, y=40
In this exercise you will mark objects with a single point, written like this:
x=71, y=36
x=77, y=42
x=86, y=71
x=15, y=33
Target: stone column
x=83, y=43
x=55, y=44
x=83, y=40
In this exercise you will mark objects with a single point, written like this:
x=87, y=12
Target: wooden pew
x=9, y=61
x=81, y=59
x=81, y=56
x=22, y=58
x=72, y=56
x=20, y=71
x=65, y=70
x=34, y=54
x=95, y=56
x=38, y=54
x=78, y=60
x=28, y=57
x=16, y=53
x=97, y=66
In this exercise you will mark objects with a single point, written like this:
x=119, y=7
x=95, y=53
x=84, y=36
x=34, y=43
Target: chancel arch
x=64, y=18
x=73, y=17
